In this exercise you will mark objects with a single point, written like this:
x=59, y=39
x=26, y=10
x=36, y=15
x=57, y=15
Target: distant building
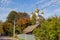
x=27, y=32
x=29, y=29
x=38, y=15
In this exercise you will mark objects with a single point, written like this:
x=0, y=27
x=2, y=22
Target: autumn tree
x=23, y=21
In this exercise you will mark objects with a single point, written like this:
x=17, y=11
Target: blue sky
x=50, y=7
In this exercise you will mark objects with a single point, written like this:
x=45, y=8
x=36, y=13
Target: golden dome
x=36, y=10
x=42, y=12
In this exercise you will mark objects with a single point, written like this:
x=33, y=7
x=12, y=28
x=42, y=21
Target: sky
x=49, y=7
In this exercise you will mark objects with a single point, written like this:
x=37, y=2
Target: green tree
x=1, y=28
x=8, y=28
x=33, y=19
x=12, y=16
x=58, y=27
x=49, y=29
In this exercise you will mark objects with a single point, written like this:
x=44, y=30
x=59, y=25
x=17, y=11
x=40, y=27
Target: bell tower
x=36, y=11
x=37, y=14
x=42, y=13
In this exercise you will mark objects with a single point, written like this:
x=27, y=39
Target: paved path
x=7, y=38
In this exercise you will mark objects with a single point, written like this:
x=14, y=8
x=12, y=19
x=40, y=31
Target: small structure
x=26, y=37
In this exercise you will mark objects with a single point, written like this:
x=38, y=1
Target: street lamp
x=14, y=27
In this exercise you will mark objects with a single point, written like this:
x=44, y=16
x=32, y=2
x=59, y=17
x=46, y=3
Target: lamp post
x=14, y=27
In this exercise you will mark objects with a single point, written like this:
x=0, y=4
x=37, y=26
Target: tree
x=21, y=20
x=8, y=28
x=49, y=29
x=33, y=19
x=1, y=28
x=58, y=27
x=12, y=16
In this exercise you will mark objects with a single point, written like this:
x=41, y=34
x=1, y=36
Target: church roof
x=37, y=10
x=30, y=28
x=41, y=17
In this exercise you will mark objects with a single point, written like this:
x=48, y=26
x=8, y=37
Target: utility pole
x=14, y=29
x=14, y=26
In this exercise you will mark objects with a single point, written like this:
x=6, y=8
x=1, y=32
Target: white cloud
x=47, y=15
x=4, y=2
x=4, y=12
x=40, y=1
x=52, y=13
x=52, y=2
x=48, y=12
x=57, y=10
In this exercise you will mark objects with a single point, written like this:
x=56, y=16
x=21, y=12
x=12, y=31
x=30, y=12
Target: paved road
x=7, y=38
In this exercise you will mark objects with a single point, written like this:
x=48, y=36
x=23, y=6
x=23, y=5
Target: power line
x=50, y=5
x=45, y=6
